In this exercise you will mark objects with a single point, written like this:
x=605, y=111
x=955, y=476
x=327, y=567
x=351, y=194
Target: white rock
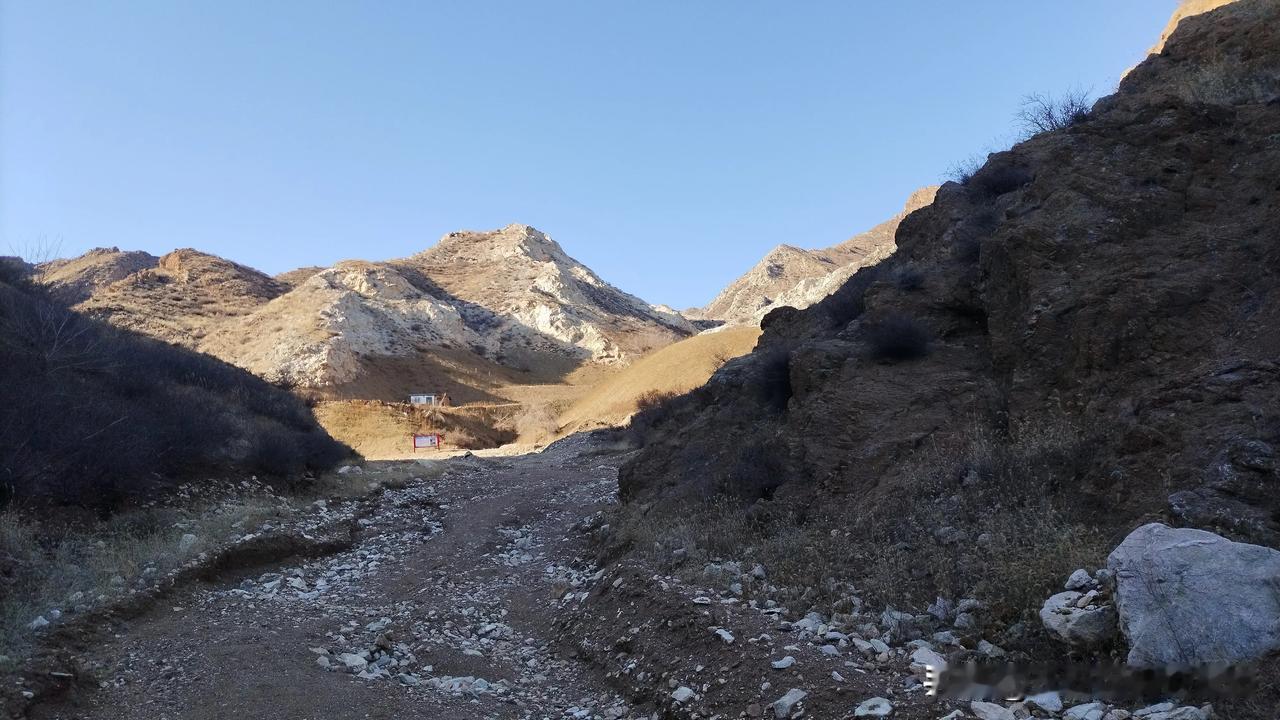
x=38, y=623
x=353, y=662
x=782, y=706
x=1075, y=625
x=989, y=649
x=784, y=663
x=1088, y=711
x=187, y=542
x=991, y=711
x=682, y=694
x=924, y=659
x=725, y=635
x=876, y=707
x=1169, y=711
x=829, y=650
x=1079, y=580
x=1190, y=597
x=1048, y=701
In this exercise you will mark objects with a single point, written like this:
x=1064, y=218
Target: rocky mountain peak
x=795, y=277
x=513, y=241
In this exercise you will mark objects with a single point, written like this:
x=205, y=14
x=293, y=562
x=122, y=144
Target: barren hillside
x=182, y=298
x=793, y=277
x=510, y=297
x=675, y=369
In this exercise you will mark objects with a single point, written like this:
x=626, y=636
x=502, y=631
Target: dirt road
x=443, y=608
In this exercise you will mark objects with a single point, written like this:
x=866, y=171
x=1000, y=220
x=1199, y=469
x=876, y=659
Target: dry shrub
x=536, y=423
x=651, y=399
x=1014, y=534
x=1007, y=498
x=1041, y=112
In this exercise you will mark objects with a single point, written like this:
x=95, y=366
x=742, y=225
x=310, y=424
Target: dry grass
x=536, y=424
x=672, y=370
x=73, y=566
x=1007, y=498
x=76, y=568
x=380, y=430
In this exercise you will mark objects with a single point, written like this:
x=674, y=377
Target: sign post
x=431, y=440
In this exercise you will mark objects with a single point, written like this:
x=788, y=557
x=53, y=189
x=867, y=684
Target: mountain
x=77, y=279
x=1087, y=342
x=510, y=298
x=794, y=277
x=179, y=298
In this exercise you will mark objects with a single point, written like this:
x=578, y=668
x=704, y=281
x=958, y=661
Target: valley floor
x=456, y=579
x=465, y=595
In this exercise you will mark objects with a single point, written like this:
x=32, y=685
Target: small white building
x=424, y=399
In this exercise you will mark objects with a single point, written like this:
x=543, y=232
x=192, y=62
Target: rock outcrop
x=793, y=277
x=1188, y=597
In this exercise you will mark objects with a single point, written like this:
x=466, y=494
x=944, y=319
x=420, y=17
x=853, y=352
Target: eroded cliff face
x=1119, y=276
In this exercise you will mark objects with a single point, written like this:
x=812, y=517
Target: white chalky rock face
x=505, y=294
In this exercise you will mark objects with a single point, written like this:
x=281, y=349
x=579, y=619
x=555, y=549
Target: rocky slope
x=77, y=279
x=794, y=277
x=181, y=297
x=1079, y=339
x=511, y=297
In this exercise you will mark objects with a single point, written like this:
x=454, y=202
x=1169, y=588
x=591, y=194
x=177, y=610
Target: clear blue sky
x=668, y=145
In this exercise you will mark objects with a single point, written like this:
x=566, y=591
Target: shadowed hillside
x=1078, y=339
x=92, y=414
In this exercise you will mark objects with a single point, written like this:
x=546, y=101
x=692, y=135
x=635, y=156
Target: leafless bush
x=536, y=423
x=963, y=171
x=653, y=398
x=1042, y=112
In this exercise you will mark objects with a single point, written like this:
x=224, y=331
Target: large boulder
x=1189, y=597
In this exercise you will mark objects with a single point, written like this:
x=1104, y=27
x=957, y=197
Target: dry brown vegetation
x=672, y=370
x=80, y=561
x=983, y=518
x=92, y=414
